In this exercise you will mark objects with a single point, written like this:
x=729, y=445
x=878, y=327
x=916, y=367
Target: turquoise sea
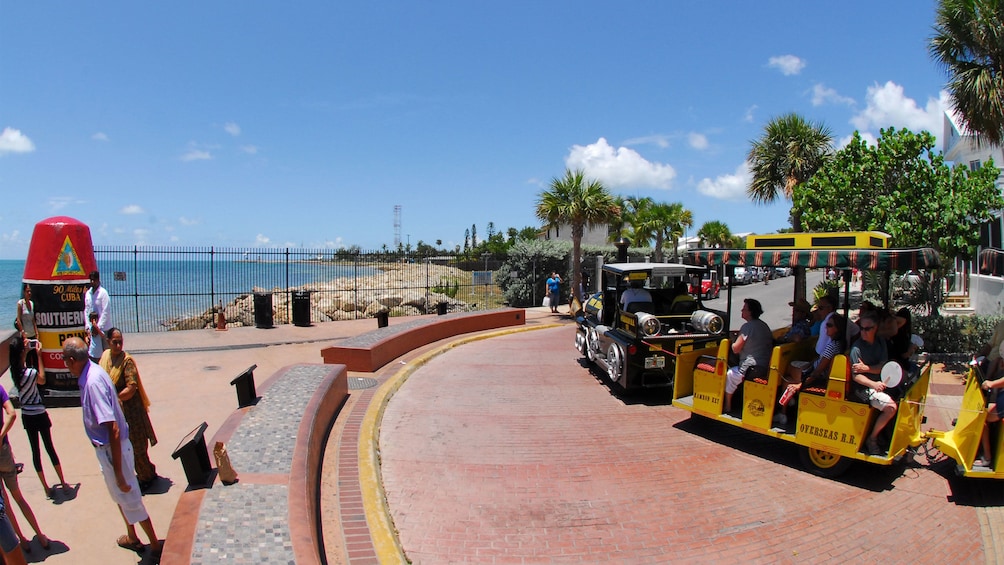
x=146, y=295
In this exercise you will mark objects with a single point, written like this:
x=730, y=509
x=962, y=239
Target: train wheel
x=823, y=463
x=615, y=363
x=580, y=342
x=592, y=345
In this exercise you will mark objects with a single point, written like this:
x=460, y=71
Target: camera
x=33, y=344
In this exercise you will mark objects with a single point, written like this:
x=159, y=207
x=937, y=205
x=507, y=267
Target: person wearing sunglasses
x=868, y=356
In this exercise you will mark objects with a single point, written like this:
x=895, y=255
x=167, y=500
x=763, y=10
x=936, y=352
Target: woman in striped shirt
x=33, y=415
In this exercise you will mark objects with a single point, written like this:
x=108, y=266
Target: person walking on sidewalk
x=121, y=368
x=25, y=322
x=106, y=428
x=34, y=417
x=554, y=291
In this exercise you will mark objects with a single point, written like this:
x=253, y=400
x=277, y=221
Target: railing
x=159, y=289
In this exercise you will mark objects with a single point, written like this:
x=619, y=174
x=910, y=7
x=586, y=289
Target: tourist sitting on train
x=638, y=295
x=825, y=306
x=800, y=328
x=994, y=385
x=816, y=373
x=683, y=302
x=868, y=356
x=753, y=345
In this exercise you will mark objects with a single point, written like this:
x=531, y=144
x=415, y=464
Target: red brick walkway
x=510, y=451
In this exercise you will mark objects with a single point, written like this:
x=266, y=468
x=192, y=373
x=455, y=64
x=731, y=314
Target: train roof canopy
x=864, y=259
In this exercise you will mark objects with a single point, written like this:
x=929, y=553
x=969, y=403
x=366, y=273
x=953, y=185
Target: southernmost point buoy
x=60, y=257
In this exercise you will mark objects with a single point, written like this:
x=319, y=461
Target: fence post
x=135, y=282
x=289, y=317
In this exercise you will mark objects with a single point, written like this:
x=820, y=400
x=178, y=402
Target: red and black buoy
x=60, y=257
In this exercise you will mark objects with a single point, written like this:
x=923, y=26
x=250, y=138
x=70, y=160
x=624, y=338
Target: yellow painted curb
x=385, y=542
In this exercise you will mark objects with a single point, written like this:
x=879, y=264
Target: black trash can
x=383, y=318
x=263, y=310
x=441, y=308
x=301, y=308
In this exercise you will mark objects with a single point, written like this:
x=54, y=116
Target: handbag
x=7, y=464
x=547, y=301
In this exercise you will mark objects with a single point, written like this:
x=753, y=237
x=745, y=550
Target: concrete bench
x=272, y=514
x=370, y=351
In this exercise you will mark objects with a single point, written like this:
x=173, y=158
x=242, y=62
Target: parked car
x=741, y=275
x=782, y=272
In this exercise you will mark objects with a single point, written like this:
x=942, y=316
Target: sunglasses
x=830, y=326
x=867, y=328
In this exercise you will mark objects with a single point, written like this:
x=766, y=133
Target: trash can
x=383, y=318
x=301, y=308
x=263, y=310
x=441, y=308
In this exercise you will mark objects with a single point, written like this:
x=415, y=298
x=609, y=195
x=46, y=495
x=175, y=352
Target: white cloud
x=261, y=240
x=188, y=221
x=100, y=136
x=232, y=128
x=787, y=64
x=823, y=95
x=887, y=106
x=619, y=167
x=869, y=138
x=131, y=209
x=727, y=187
x=249, y=149
x=57, y=203
x=13, y=141
x=697, y=140
x=748, y=117
x=657, y=140
x=196, y=155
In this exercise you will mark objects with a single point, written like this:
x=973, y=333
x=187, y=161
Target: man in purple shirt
x=106, y=427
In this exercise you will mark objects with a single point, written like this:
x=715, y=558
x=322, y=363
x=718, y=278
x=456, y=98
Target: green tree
x=577, y=202
x=531, y=260
x=715, y=234
x=788, y=153
x=664, y=222
x=902, y=187
x=968, y=42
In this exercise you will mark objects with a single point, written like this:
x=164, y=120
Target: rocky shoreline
x=400, y=289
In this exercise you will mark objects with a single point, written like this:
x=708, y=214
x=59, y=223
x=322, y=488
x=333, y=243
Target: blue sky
x=303, y=124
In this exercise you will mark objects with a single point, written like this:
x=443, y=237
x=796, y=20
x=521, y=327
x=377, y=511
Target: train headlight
x=648, y=324
x=704, y=321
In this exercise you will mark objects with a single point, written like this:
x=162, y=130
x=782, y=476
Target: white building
x=959, y=147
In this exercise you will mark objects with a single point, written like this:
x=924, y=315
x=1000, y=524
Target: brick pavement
x=511, y=451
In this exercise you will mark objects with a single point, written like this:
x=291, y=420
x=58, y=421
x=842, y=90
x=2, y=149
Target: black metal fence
x=159, y=289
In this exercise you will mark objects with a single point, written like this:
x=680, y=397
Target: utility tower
x=397, y=226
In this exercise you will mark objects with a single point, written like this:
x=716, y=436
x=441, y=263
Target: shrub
x=955, y=334
x=522, y=275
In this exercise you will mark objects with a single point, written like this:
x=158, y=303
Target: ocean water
x=148, y=294
x=11, y=273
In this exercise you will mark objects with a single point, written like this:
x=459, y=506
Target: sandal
x=26, y=546
x=44, y=541
x=132, y=545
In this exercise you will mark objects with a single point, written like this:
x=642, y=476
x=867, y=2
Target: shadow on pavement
x=866, y=476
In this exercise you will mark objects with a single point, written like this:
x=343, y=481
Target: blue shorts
x=8, y=539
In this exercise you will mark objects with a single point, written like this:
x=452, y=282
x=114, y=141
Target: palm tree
x=788, y=153
x=663, y=222
x=968, y=43
x=579, y=203
x=715, y=234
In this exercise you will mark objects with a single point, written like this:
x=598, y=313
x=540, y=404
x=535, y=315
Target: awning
x=992, y=261
x=863, y=259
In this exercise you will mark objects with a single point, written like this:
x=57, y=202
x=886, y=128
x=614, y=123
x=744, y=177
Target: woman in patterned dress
x=121, y=367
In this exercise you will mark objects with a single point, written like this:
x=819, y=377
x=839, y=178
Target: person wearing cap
x=800, y=328
x=753, y=346
x=995, y=408
x=868, y=355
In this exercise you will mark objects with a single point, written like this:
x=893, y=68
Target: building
x=959, y=146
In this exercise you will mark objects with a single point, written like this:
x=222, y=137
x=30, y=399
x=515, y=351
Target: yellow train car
x=829, y=425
